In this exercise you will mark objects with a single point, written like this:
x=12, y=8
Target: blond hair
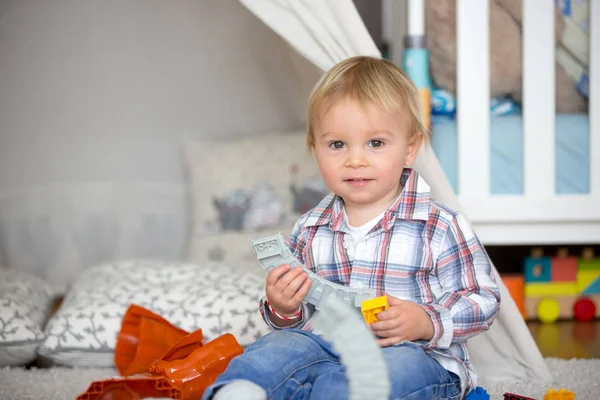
x=370, y=81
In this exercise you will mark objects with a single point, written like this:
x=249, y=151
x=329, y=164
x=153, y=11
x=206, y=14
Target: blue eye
x=376, y=143
x=337, y=144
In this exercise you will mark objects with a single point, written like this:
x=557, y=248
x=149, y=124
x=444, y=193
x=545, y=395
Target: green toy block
x=589, y=265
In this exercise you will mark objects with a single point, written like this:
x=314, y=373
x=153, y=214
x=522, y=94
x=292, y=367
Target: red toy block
x=564, y=269
x=512, y=396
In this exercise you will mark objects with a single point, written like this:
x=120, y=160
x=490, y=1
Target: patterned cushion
x=25, y=303
x=213, y=298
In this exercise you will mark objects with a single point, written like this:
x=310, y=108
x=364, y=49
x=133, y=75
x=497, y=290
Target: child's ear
x=412, y=150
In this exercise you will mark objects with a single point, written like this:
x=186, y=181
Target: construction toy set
x=557, y=287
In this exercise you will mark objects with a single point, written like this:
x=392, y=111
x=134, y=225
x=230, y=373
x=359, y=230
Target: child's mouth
x=358, y=181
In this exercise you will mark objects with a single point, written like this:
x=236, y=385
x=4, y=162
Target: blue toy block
x=478, y=393
x=538, y=270
x=593, y=288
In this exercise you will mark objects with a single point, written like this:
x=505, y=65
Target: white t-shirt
x=358, y=233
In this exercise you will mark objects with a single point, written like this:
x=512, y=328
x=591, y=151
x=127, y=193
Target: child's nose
x=356, y=158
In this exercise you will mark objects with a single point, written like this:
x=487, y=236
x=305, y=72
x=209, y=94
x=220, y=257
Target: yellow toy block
x=585, y=278
x=371, y=307
x=562, y=394
x=551, y=289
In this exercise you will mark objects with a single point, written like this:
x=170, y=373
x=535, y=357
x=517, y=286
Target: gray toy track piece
x=360, y=354
x=272, y=251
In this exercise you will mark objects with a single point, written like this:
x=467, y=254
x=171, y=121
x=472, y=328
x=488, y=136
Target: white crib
x=539, y=215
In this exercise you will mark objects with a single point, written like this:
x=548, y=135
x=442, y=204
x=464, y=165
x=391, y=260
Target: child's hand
x=404, y=320
x=285, y=293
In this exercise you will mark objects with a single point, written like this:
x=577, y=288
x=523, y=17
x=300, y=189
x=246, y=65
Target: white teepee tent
x=326, y=32
x=96, y=94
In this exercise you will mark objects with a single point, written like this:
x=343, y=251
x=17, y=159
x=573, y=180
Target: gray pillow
x=211, y=297
x=25, y=305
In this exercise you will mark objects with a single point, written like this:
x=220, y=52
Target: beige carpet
x=580, y=376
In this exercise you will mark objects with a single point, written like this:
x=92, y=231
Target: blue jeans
x=294, y=364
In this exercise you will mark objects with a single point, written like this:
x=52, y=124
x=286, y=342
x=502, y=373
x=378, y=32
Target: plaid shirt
x=420, y=251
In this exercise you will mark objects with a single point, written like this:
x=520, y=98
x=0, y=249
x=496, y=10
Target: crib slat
x=539, y=97
x=594, y=110
x=473, y=95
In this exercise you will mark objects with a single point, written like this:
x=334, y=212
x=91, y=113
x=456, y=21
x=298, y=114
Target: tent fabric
x=328, y=31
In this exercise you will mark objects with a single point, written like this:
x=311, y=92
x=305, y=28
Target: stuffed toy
x=506, y=55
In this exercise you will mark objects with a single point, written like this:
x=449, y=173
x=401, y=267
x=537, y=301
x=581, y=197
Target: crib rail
x=473, y=96
x=539, y=103
x=539, y=204
x=595, y=98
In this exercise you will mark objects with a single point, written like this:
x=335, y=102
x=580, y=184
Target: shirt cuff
x=264, y=310
x=443, y=327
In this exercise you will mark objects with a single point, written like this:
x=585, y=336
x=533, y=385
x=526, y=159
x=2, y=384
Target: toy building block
x=562, y=252
x=364, y=365
x=272, y=251
x=589, y=265
x=515, y=283
x=143, y=338
x=513, y=396
x=588, y=282
x=371, y=307
x=182, y=371
x=538, y=269
x=566, y=306
x=564, y=269
x=593, y=288
x=536, y=252
x=551, y=289
x=562, y=394
x=588, y=253
x=478, y=393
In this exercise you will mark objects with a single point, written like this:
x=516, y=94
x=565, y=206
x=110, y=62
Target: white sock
x=241, y=389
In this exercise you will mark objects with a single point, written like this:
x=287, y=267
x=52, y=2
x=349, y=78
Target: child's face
x=361, y=152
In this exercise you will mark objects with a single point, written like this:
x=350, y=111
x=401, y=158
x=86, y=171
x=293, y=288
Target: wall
x=95, y=97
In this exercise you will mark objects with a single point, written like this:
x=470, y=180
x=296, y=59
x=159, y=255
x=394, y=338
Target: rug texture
x=580, y=376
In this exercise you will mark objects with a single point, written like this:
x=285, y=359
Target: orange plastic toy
x=184, y=368
x=144, y=338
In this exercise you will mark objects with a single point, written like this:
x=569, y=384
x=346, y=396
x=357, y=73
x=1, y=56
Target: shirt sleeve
x=471, y=297
x=296, y=243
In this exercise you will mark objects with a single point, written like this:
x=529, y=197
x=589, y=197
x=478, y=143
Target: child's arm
x=296, y=244
x=472, y=298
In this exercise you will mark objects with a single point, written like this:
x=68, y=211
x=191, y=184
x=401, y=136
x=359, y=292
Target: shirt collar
x=411, y=204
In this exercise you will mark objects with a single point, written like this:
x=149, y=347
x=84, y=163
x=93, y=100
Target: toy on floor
x=562, y=394
x=158, y=359
x=478, y=393
x=512, y=396
x=563, y=287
